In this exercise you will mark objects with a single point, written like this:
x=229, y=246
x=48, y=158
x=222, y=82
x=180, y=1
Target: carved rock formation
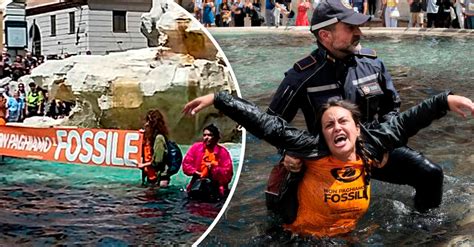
x=116, y=90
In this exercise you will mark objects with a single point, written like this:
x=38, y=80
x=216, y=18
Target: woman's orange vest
x=332, y=197
x=148, y=157
x=209, y=157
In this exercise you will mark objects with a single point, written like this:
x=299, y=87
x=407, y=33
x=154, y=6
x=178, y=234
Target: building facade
x=59, y=27
x=13, y=26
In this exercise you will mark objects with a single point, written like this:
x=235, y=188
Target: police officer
x=341, y=69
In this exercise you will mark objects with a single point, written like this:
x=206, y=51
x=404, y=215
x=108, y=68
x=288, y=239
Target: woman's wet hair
x=214, y=131
x=361, y=150
x=156, y=124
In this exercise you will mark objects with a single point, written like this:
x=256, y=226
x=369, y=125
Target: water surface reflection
x=45, y=203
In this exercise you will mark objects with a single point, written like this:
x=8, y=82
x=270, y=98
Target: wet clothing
x=361, y=79
x=157, y=171
x=332, y=197
x=208, y=158
x=299, y=143
x=220, y=174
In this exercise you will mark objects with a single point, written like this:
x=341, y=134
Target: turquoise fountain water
x=421, y=66
x=44, y=203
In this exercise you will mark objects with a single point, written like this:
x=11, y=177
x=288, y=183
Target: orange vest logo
x=346, y=174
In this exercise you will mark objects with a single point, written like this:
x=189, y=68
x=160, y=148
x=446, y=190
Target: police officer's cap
x=332, y=11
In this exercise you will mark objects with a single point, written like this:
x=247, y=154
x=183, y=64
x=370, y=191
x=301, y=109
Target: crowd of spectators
x=23, y=101
x=18, y=66
x=423, y=13
x=225, y=13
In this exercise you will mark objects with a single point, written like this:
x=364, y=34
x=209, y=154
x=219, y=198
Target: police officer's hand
x=196, y=105
x=458, y=103
x=292, y=164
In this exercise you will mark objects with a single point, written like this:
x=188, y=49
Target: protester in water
x=154, y=148
x=210, y=166
x=341, y=68
x=332, y=191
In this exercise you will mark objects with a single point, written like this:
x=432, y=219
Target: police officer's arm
x=390, y=103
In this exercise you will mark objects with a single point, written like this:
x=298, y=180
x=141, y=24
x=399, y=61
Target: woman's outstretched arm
x=273, y=129
x=395, y=132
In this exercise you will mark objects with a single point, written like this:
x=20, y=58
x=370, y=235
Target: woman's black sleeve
x=395, y=132
x=273, y=129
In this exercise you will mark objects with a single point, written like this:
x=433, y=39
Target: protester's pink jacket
x=222, y=173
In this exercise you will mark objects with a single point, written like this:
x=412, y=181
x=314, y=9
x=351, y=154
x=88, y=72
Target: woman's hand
x=196, y=105
x=144, y=164
x=458, y=103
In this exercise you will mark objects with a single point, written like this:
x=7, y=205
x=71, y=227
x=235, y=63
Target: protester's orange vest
x=332, y=197
x=209, y=157
x=148, y=157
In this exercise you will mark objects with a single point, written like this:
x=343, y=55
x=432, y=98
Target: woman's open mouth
x=340, y=140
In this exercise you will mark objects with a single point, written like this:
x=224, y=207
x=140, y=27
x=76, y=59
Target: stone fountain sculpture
x=116, y=90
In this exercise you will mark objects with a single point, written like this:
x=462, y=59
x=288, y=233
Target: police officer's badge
x=346, y=4
x=366, y=90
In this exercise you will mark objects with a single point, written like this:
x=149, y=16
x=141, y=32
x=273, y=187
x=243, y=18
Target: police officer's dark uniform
x=361, y=79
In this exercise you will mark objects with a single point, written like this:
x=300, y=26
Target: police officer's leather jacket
x=360, y=78
x=299, y=143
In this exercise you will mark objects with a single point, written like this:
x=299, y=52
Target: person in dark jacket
x=341, y=69
x=339, y=166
